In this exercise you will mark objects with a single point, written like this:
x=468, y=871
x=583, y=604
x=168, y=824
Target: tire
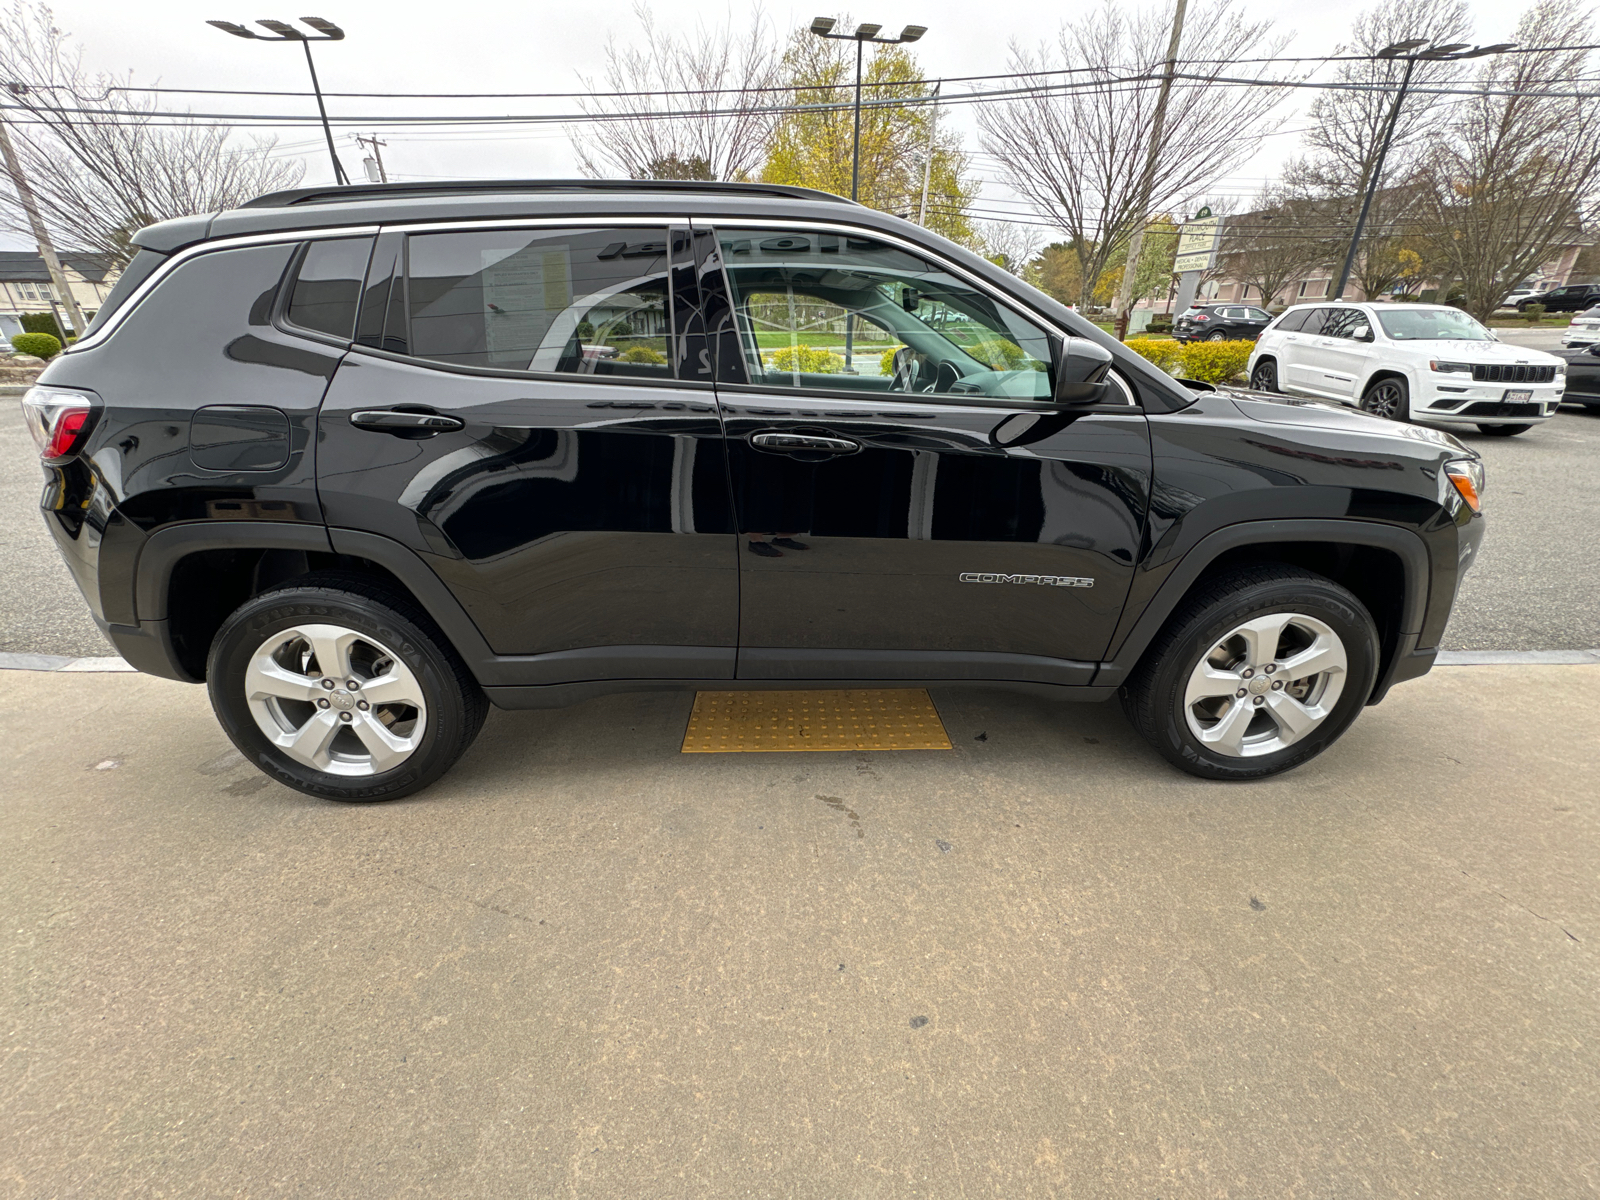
x=330, y=741
x=1264, y=377
x=1218, y=336
x=1504, y=430
x=1389, y=397
x=1204, y=648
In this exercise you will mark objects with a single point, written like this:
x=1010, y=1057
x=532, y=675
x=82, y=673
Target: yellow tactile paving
x=761, y=721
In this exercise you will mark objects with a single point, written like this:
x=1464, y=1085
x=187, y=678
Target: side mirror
x=1364, y=334
x=1082, y=373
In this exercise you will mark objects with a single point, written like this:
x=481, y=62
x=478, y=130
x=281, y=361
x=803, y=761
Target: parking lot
x=1041, y=963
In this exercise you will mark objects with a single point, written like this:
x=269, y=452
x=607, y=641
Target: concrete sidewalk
x=1041, y=964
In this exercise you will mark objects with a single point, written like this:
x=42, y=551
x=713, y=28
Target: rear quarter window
x=327, y=287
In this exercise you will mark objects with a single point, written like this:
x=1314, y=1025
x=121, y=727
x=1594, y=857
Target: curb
x=1447, y=658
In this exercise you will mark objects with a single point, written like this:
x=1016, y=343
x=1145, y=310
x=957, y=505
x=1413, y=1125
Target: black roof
x=25, y=266
x=402, y=203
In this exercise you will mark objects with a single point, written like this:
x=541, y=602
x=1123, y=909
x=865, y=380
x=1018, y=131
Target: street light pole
x=823, y=28
x=1448, y=53
x=283, y=32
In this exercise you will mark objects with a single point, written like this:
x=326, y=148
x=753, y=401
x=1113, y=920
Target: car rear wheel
x=1264, y=378
x=1258, y=672
x=1389, y=398
x=1504, y=430
x=342, y=690
x=1219, y=336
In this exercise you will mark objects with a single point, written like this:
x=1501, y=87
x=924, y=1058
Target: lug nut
x=323, y=702
x=346, y=716
x=1260, y=700
x=1249, y=671
x=354, y=685
x=1277, y=685
x=362, y=705
x=327, y=683
x=1241, y=692
x=1271, y=667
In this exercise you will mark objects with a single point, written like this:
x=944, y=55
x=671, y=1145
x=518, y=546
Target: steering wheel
x=946, y=377
x=903, y=377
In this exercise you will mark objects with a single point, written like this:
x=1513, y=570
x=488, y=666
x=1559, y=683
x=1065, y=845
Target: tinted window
x=1343, y=322
x=576, y=301
x=1257, y=314
x=1292, y=320
x=822, y=310
x=327, y=287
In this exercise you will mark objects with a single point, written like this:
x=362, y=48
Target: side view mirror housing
x=1364, y=334
x=1082, y=372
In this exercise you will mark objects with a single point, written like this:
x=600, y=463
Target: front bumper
x=1468, y=403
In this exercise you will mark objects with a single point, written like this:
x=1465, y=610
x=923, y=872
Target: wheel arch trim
x=1406, y=545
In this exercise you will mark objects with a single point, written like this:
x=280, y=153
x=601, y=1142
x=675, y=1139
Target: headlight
x=1457, y=368
x=1467, y=474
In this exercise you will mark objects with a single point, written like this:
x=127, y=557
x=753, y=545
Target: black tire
x=1153, y=697
x=1219, y=336
x=1264, y=375
x=1389, y=397
x=1504, y=430
x=453, y=703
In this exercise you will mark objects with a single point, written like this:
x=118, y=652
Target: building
x=25, y=286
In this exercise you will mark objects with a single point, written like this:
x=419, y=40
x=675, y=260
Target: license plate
x=1517, y=397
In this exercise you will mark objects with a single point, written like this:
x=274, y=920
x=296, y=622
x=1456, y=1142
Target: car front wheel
x=1388, y=398
x=339, y=689
x=1258, y=672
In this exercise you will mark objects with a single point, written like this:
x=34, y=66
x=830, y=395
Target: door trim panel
x=787, y=663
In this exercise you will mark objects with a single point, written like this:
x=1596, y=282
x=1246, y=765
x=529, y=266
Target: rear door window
x=1293, y=320
x=583, y=301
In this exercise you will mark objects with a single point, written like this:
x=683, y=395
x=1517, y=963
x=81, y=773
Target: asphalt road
x=1532, y=589
x=1043, y=964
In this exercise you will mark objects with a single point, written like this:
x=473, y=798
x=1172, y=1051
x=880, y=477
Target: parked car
x=1573, y=298
x=1424, y=362
x=340, y=455
x=1220, y=323
x=1583, y=329
x=1583, y=375
x=1520, y=293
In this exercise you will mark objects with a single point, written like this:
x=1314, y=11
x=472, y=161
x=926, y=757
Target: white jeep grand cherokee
x=1408, y=362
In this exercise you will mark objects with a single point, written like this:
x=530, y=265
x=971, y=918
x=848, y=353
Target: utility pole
x=47, y=250
x=377, y=156
x=1147, y=178
x=927, y=164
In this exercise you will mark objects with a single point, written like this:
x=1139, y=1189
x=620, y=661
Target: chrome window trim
x=191, y=252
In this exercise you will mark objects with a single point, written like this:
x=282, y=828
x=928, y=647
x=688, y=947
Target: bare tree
x=1347, y=133
x=1514, y=171
x=102, y=165
x=1009, y=244
x=1076, y=149
x=1274, y=244
x=692, y=75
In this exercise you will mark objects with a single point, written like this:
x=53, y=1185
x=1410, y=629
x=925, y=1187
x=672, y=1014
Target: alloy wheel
x=1265, y=684
x=335, y=700
x=1264, y=378
x=1385, y=399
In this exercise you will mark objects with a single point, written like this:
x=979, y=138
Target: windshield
x=1431, y=325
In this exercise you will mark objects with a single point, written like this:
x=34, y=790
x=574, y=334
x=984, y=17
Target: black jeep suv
x=368, y=460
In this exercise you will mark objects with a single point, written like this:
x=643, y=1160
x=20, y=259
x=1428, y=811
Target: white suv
x=1424, y=362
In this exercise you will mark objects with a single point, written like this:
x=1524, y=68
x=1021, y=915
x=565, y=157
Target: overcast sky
x=503, y=47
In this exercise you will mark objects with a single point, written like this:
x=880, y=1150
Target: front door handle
x=786, y=443
x=389, y=420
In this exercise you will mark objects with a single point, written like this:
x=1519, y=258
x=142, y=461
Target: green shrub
x=1002, y=354
x=886, y=360
x=1163, y=353
x=584, y=331
x=812, y=360
x=41, y=323
x=41, y=345
x=641, y=354
x=1214, y=362
x=1532, y=313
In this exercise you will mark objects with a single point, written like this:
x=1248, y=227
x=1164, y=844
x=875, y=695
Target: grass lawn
x=772, y=341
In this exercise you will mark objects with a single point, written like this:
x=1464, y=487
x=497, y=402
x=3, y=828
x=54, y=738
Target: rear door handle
x=784, y=443
x=388, y=420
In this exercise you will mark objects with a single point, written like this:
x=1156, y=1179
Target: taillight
x=59, y=421
x=1201, y=317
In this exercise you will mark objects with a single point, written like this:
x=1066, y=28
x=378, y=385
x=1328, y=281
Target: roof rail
x=460, y=187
